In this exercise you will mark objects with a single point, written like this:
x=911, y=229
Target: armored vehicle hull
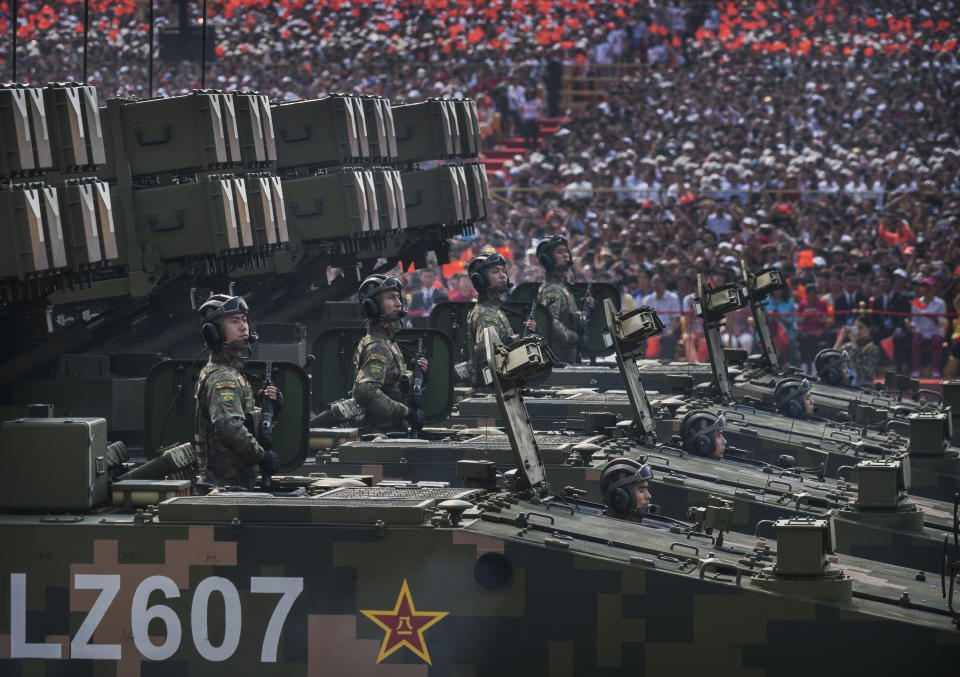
x=357, y=581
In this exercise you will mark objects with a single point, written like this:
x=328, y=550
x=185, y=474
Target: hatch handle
x=901, y=424
x=528, y=515
x=666, y=460
x=808, y=499
x=933, y=393
x=843, y=469
x=677, y=544
x=761, y=523
x=715, y=566
x=781, y=483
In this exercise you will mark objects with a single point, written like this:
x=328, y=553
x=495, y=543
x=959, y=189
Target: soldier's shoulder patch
x=551, y=297
x=377, y=356
x=227, y=395
x=377, y=369
x=492, y=321
x=225, y=383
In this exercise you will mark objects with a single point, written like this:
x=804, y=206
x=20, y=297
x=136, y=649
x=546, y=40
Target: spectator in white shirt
x=667, y=305
x=926, y=314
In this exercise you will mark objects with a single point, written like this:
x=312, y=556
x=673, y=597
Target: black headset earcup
x=791, y=408
x=546, y=260
x=832, y=376
x=371, y=309
x=212, y=335
x=703, y=445
x=479, y=282
x=620, y=500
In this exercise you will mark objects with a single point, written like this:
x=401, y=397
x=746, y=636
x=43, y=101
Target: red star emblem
x=404, y=626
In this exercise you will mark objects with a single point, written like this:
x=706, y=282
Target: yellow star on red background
x=404, y=626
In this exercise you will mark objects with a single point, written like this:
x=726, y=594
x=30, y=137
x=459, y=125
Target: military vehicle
x=124, y=217
x=867, y=406
x=763, y=435
x=875, y=515
x=432, y=576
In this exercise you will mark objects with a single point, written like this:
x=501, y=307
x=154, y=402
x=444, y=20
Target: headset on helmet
x=698, y=430
x=369, y=294
x=211, y=314
x=479, y=268
x=829, y=364
x=545, y=251
x=788, y=396
x=616, y=481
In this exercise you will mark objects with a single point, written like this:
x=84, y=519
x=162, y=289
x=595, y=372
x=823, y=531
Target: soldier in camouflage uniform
x=381, y=385
x=488, y=274
x=226, y=415
x=555, y=294
x=862, y=352
x=625, y=487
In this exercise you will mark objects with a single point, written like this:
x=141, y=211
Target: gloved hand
x=415, y=417
x=270, y=463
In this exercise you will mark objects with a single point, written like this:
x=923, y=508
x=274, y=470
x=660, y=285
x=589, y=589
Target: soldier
x=624, y=484
x=226, y=415
x=380, y=386
x=488, y=274
x=702, y=433
x=833, y=367
x=793, y=397
x=555, y=294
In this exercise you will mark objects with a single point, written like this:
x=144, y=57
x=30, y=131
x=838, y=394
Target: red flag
x=452, y=268
x=653, y=347
x=870, y=21
x=676, y=42
x=887, y=345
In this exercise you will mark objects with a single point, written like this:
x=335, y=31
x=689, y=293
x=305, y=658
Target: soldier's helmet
x=369, y=295
x=788, y=396
x=480, y=266
x=617, y=481
x=211, y=313
x=829, y=364
x=698, y=431
x=546, y=248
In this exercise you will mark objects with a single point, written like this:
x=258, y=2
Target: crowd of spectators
x=816, y=136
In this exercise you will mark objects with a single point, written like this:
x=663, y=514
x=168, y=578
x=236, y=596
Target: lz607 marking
x=141, y=615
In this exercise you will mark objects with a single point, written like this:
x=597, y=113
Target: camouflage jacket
x=486, y=313
x=227, y=450
x=863, y=361
x=381, y=379
x=555, y=294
